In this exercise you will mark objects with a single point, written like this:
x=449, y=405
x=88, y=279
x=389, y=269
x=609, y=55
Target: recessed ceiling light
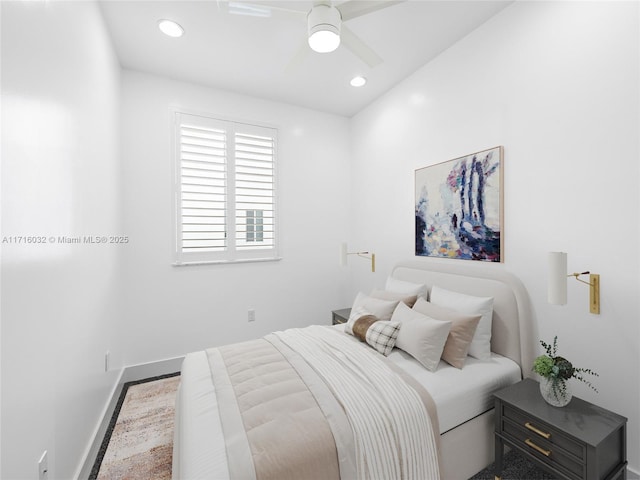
x=170, y=28
x=358, y=81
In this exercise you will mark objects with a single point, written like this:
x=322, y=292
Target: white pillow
x=480, y=347
x=410, y=300
x=363, y=305
x=420, y=336
x=408, y=288
x=463, y=327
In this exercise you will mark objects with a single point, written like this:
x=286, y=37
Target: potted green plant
x=556, y=371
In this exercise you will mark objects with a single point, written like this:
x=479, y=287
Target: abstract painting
x=458, y=207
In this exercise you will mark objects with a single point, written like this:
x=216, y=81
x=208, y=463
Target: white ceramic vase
x=555, y=391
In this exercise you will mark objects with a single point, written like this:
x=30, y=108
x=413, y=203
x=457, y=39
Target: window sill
x=226, y=262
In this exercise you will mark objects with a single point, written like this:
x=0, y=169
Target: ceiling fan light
x=324, y=41
x=170, y=28
x=324, y=28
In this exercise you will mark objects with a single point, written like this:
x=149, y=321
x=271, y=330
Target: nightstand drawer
x=543, y=449
x=537, y=430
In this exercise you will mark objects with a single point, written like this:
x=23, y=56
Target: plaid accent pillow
x=381, y=335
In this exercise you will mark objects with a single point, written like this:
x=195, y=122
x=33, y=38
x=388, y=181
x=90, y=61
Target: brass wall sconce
x=368, y=255
x=557, y=284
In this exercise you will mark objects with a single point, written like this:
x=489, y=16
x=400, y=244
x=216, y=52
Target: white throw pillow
x=480, y=347
x=363, y=304
x=420, y=336
x=463, y=327
x=408, y=288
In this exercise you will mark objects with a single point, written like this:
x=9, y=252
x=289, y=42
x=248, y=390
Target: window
x=255, y=226
x=225, y=191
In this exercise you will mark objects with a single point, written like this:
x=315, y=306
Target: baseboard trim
x=101, y=428
x=152, y=369
x=132, y=373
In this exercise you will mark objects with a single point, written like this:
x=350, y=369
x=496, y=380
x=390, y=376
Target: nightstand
x=579, y=441
x=340, y=316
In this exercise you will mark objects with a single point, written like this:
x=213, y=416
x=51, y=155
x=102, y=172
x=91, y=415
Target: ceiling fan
x=325, y=23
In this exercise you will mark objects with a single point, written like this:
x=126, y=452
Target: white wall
x=60, y=176
x=174, y=310
x=556, y=83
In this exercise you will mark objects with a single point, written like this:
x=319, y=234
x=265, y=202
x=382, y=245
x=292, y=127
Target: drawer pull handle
x=544, y=452
x=538, y=431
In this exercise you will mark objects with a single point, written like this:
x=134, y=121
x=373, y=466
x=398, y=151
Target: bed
x=462, y=419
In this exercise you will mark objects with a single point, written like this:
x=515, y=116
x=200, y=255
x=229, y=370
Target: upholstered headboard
x=512, y=333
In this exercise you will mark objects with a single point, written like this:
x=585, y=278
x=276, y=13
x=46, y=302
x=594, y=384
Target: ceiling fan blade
x=359, y=48
x=259, y=8
x=356, y=8
x=298, y=58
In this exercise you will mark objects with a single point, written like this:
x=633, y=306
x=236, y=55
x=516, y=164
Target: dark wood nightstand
x=340, y=316
x=579, y=441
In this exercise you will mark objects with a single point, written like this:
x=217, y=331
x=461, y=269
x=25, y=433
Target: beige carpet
x=141, y=444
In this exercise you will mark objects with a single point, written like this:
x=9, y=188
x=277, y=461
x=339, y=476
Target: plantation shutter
x=225, y=191
x=203, y=187
x=254, y=167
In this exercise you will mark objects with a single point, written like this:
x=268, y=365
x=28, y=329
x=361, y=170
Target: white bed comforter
x=392, y=433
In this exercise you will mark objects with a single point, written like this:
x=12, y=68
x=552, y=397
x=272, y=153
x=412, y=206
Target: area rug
x=139, y=442
x=516, y=467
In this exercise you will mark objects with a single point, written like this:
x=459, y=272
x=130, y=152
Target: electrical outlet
x=251, y=315
x=106, y=361
x=43, y=467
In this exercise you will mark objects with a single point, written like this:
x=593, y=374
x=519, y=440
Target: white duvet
x=199, y=447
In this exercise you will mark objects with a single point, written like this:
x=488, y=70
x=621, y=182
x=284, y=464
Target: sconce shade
x=343, y=254
x=557, y=281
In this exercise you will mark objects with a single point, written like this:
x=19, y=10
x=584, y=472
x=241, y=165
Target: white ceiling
x=253, y=55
